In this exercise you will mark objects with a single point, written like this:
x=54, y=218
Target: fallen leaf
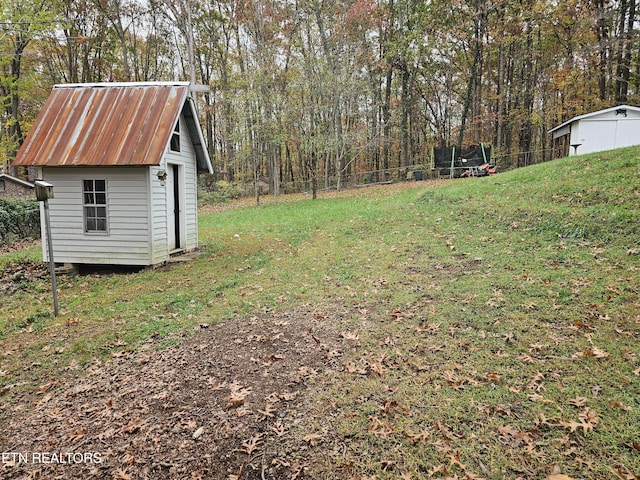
x=353, y=368
x=121, y=474
x=278, y=428
x=351, y=337
x=618, y=404
x=377, y=369
x=572, y=425
x=267, y=412
x=592, y=352
x=43, y=388
x=578, y=401
x=287, y=397
x=235, y=476
x=237, y=396
x=588, y=418
x=79, y=433
x=251, y=444
x=313, y=438
x=379, y=427
x=420, y=437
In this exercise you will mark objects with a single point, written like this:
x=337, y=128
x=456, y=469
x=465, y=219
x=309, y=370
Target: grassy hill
x=490, y=325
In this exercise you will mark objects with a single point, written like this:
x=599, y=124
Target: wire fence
x=418, y=172
x=509, y=161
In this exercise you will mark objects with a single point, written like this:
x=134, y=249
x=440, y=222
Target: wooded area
x=309, y=91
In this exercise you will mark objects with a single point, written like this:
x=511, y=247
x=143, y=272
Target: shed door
x=173, y=207
x=627, y=132
x=597, y=135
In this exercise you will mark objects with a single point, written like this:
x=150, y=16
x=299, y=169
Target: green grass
x=498, y=317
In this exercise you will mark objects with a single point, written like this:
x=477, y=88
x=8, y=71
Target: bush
x=218, y=192
x=19, y=220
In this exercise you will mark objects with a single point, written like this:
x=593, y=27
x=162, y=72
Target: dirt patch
x=19, y=245
x=229, y=400
x=20, y=274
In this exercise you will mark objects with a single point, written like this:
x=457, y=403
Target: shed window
x=175, y=138
x=94, y=193
x=2, y=187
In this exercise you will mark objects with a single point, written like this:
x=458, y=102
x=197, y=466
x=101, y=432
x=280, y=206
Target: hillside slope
x=477, y=328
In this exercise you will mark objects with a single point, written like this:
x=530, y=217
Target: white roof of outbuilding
x=592, y=114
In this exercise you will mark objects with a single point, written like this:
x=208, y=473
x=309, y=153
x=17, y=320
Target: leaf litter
x=211, y=406
x=408, y=392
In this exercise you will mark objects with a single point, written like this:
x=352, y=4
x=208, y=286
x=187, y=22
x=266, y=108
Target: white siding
x=605, y=131
x=594, y=135
x=188, y=188
x=628, y=133
x=158, y=215
x=127, y=240
x=136, y=209
x=562, y=131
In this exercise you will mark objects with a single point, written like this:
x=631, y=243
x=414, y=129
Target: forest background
x=310, y=91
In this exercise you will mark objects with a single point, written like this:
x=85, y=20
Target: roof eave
x=203, y=161
x=17, y=180
x=587, y=115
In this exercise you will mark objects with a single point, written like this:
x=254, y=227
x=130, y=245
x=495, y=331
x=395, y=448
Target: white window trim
x=106, y=206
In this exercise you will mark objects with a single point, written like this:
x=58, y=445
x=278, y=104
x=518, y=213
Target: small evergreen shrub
x=19, y=220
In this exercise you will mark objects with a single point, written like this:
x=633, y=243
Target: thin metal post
x=453, y=159
x=52, y=264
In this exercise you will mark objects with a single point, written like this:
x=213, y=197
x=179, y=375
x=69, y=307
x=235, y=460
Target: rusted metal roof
x=110, y=124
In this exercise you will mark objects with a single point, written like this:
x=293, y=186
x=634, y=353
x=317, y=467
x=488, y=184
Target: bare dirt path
x=228, y=402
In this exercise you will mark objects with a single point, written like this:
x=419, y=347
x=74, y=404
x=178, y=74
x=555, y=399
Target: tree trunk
x=479, y=26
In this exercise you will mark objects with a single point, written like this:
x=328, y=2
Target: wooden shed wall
x=157, y=208
x=128, y=239
x=188, y=188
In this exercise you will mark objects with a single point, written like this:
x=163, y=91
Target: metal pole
x=275, y=181
x=453, y=159
x=52, y=264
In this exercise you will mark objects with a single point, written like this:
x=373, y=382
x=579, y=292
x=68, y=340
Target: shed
x=124, y=160
x=606, y=129
x=13, y=187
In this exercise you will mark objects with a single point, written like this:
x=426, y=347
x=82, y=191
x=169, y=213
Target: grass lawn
x=493, y=323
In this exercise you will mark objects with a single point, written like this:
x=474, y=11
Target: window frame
x=174, y=143
x=95, y=207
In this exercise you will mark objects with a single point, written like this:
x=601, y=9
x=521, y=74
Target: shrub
x=19, y=220
x=218, y=192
